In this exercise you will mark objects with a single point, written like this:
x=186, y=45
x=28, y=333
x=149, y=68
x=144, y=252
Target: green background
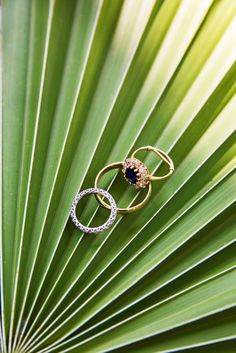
x=85, y=83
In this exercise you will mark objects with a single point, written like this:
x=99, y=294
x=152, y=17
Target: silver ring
x=104, y=226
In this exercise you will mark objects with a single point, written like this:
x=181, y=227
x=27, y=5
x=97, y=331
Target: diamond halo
x=104, y=226
x=135, y=172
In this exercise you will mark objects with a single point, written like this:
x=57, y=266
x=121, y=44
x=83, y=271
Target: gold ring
x=137, y=174
x=162, y=155
x=122, y=165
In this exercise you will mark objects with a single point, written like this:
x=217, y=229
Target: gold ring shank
x=163, y=156
x=131, y=209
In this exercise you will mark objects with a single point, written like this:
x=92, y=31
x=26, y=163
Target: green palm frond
x=85, y=83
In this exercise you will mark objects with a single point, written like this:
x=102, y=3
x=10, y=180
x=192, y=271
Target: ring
x=137, y=174
x=162, y=155
x=104, y=226
x=139, y=182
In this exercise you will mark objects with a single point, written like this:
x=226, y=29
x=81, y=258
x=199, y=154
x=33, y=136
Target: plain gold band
x=119, y=210
x=163, y=156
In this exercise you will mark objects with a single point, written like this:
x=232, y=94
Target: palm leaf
x=84, y=84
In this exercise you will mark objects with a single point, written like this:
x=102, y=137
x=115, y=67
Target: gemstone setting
x=135, y=172
x=104, y=226
x=131, y=175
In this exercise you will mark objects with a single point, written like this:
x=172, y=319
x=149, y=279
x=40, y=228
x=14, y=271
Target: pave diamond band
x=104, y=226
x=135, y=173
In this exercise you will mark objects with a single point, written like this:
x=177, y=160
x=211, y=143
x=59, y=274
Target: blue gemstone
x=131, y=175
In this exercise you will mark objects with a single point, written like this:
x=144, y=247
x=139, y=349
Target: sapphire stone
x=131, y=175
